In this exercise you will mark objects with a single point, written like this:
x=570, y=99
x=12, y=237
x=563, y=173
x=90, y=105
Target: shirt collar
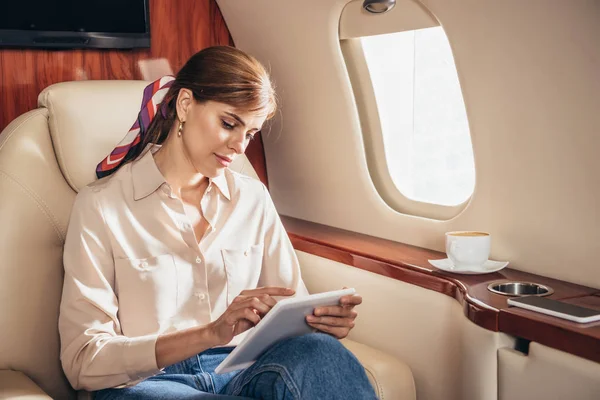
x=146, y=175
x=221, y=182
x=147, y=178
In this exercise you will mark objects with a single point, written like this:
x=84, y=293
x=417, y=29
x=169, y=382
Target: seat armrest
x=390, y=377
x=16, y=385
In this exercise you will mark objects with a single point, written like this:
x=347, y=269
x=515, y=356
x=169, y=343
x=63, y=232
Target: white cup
x=468, y=249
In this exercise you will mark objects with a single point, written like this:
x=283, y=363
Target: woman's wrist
x=205, y=337
x=175, y=347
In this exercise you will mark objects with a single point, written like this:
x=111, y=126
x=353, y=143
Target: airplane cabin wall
x=451, y=358
x=530, y=77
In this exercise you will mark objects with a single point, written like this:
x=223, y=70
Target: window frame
x=370, y=123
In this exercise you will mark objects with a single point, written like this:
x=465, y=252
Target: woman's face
x=214, y=134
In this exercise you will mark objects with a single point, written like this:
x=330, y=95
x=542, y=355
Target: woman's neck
x=177, y=169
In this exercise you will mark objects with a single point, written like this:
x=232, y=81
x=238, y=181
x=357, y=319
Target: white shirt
x=134, y=270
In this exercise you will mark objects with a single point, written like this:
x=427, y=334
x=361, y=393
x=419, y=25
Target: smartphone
x=556, y=308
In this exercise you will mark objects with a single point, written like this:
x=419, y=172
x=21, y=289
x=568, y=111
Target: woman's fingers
x=336, y=320
x=265, y=298
x=351, y=300
x=261, y=299
x=336, y=311
x=331, y=321
x=253, y=302
x=244, y=313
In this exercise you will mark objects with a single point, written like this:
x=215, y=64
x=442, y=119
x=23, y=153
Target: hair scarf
x=154, y=94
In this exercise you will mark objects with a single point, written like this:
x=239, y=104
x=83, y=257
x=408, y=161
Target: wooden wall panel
x=179, y=28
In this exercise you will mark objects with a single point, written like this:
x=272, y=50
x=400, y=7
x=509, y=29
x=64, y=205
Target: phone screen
x=558, y=306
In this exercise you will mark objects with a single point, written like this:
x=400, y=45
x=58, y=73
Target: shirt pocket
x=146, y=289
x=242, y=268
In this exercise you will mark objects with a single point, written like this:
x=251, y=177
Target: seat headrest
x=86, y=120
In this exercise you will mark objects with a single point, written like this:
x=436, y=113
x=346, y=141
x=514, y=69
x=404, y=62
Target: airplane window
x=422, y=115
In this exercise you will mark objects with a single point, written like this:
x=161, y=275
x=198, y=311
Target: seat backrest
x=46, y=156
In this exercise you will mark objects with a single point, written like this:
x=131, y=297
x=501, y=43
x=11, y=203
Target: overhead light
x=378, y=6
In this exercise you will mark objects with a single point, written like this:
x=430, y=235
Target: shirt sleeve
x=280, y=263
x=94, y=353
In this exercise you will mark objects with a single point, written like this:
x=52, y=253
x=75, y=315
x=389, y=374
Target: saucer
x=488, y=267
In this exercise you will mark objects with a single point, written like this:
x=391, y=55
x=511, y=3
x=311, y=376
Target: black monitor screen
x=74, y=15
x=75, y=23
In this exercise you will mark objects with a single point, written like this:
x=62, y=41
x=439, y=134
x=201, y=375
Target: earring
x=180, y=129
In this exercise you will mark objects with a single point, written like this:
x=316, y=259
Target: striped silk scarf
x=154, y=94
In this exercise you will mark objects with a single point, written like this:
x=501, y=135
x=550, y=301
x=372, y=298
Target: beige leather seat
x=46, y=156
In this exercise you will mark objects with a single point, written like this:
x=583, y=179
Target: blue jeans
x=313, y=366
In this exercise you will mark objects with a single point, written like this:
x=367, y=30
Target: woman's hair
x=220, y=73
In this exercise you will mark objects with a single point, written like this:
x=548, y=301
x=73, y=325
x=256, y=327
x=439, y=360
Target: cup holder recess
x=520, y=289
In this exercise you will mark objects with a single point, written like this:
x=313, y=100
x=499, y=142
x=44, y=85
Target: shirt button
x=198, y=260
x=209, y=189
x=144, y=265
x=200, y=296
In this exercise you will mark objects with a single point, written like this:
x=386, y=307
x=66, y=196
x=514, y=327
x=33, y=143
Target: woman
x=171, y=257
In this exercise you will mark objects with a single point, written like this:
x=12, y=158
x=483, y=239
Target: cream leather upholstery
x=46, y=156
x=16, y=385
x=391, y=378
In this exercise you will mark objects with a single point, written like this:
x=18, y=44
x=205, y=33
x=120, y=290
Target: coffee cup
x=468, y=249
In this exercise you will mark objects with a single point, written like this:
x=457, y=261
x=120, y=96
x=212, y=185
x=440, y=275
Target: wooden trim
x=582, y=340
x=488, y=310
x=179, y=29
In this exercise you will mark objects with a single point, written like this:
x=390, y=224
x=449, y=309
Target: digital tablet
x=285, y=320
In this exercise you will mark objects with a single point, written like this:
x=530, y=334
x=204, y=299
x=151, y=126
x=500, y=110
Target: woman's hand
x=245, y=311
x=336, y=320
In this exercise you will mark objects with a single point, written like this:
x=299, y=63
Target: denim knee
x=314, y=342
x=318, y=349
x=313, y=366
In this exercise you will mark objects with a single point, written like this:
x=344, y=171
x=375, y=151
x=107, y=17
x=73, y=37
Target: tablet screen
x=285, y=320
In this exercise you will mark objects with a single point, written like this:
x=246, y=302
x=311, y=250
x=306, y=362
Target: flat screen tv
x=70, y=24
